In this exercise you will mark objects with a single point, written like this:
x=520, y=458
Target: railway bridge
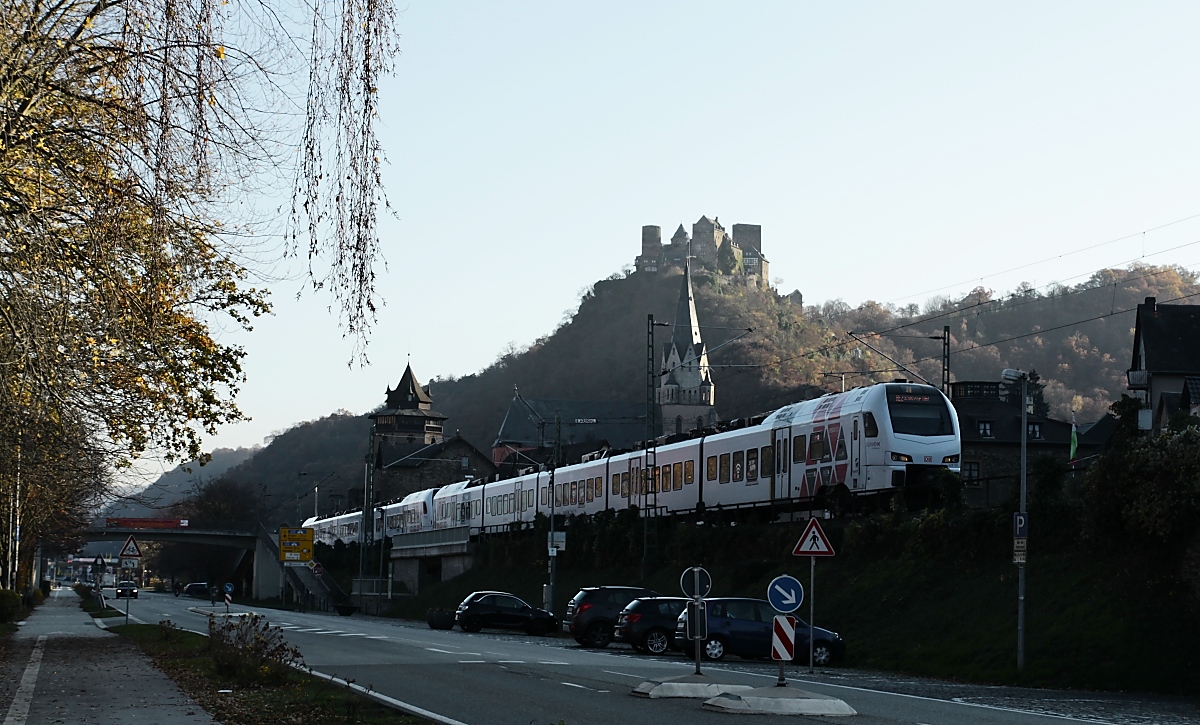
x=268, y=573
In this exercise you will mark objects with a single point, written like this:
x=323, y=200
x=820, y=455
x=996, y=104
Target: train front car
x=910, y=435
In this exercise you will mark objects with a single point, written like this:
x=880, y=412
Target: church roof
x=408, y=393
x=532, y=422
x=686, y=331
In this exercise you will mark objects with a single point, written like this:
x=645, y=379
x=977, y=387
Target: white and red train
x=837, y=449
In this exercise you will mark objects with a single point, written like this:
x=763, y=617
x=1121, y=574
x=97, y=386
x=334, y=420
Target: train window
x=625, y=484
x=677, y=475
x=870, y=427
x=816, y=446
x=666, y=477
x=573, y=485
x=591, y=495
x=599, y=487
x=711, y=468
x=478, y=505
x=616, y=484
x=739, y=463
x=723, y=475
x=783, y=456
x=827, y=448
x=654, y=480
x=798, y=449
x=840, y=455
x=529, y=498
x=752, y=464
x=764, y=459
x=542, y=496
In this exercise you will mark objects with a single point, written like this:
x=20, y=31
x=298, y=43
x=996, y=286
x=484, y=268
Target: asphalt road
x=498, y=677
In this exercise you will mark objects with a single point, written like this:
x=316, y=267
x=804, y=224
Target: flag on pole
x=1074, y=439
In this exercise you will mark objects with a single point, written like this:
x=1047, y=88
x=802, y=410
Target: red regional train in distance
x=836, y=451
x=133, y=523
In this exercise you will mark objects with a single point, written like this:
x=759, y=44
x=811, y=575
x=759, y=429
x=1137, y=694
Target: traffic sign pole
x=812, y=596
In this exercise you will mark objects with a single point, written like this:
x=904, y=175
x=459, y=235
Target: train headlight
x=901, y=457
x=950, y=459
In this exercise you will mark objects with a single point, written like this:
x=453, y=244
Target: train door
x=781, y=488
x=855, y=451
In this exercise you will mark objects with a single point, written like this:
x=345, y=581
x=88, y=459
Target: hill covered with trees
x=1078, y=339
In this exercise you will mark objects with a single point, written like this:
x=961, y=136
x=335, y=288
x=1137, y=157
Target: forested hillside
x=1078, y=339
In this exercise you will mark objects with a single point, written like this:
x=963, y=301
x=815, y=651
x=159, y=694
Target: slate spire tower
x=685, y=393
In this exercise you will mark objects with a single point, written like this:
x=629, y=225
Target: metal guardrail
x=434, y=537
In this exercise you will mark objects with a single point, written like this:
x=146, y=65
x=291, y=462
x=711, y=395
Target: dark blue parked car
x=743, y=627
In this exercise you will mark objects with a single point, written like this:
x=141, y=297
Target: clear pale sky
x=890, y=151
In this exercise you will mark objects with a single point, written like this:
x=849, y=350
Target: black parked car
x=592, y=613
x=196, y=589
x=501, y=610
x=649, y=623
x=743, y=627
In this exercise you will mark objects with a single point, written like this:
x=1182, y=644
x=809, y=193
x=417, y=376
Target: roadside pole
x=813, y=543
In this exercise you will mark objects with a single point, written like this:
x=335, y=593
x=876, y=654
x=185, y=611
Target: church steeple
x=408, y=395
x=687, y=326
x=685, y=391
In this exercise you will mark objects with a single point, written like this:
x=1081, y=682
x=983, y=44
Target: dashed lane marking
x=472, y=662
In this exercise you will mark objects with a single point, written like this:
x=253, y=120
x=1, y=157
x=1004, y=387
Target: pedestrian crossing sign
x=813, y=542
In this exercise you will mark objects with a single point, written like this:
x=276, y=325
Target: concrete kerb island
x=727, y=697
x=779, y=701
x=686, y=686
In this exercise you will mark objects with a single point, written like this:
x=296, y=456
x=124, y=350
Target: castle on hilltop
x=738, y=254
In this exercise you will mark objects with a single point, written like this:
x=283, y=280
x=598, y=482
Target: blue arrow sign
x=785, y=593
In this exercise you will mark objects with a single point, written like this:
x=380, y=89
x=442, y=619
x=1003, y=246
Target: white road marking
x=377, y=636
x=938, y=699
x=572, y=684
x=472, y=662
x=353, y=634
x=624, y=674
x=512, y=662
x=554, y=663
x=314, y=629
x=19, y=710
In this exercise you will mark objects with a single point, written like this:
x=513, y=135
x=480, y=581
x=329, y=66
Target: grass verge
x=295, y=697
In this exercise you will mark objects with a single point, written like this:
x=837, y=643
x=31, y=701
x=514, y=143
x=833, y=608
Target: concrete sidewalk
x=63, y=668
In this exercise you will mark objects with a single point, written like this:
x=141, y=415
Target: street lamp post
x=1010, y=375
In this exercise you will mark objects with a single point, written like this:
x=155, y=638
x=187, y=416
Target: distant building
x=415, y=467
x=411, y=452
x=989, y=421
x=685, y=393
x=1166, y=351
x=737, y=255
x=531, y=427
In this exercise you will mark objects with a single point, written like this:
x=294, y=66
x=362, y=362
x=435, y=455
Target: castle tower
x=407, y=415
x=707, y=237
x=685, y=393
x=652, y=250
